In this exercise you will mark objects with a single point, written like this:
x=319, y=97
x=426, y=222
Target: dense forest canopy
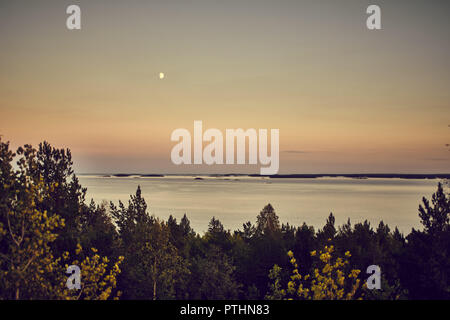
x=125, y=252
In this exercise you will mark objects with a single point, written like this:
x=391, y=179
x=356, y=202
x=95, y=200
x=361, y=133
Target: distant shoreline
x=288, y=176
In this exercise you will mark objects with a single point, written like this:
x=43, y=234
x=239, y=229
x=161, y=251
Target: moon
x=161, y=75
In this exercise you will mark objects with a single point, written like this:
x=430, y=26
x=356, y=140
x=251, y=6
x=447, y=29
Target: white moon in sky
x=161, y=75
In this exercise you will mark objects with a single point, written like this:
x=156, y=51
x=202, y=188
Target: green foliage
x=276, y=291
x=436, y=217
x=30, y=267
x=152, y=264
x=426, y=263
x=45, y=222
x=213, y=276
x=267, y=221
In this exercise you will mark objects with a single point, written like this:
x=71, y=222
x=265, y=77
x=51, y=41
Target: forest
x=125, y=252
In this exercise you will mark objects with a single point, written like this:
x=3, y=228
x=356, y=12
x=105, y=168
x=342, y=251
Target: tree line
x=124, y=252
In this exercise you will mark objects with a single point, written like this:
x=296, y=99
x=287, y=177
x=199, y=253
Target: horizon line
x=360, y=174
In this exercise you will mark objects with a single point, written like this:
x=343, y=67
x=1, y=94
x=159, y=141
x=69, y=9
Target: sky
x=345, y=99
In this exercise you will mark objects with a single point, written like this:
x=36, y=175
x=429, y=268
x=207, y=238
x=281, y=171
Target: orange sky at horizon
x=344, y=98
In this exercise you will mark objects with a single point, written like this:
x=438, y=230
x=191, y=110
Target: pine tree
x=267, y=221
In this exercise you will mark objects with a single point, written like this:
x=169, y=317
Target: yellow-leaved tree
x=330, y=279
x=28, y=267
x=98, y=277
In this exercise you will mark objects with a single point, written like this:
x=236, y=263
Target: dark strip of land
x=362, y=176
x=308, y=175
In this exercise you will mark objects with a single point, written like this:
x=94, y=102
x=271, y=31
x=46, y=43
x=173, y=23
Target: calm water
x=237, y=200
